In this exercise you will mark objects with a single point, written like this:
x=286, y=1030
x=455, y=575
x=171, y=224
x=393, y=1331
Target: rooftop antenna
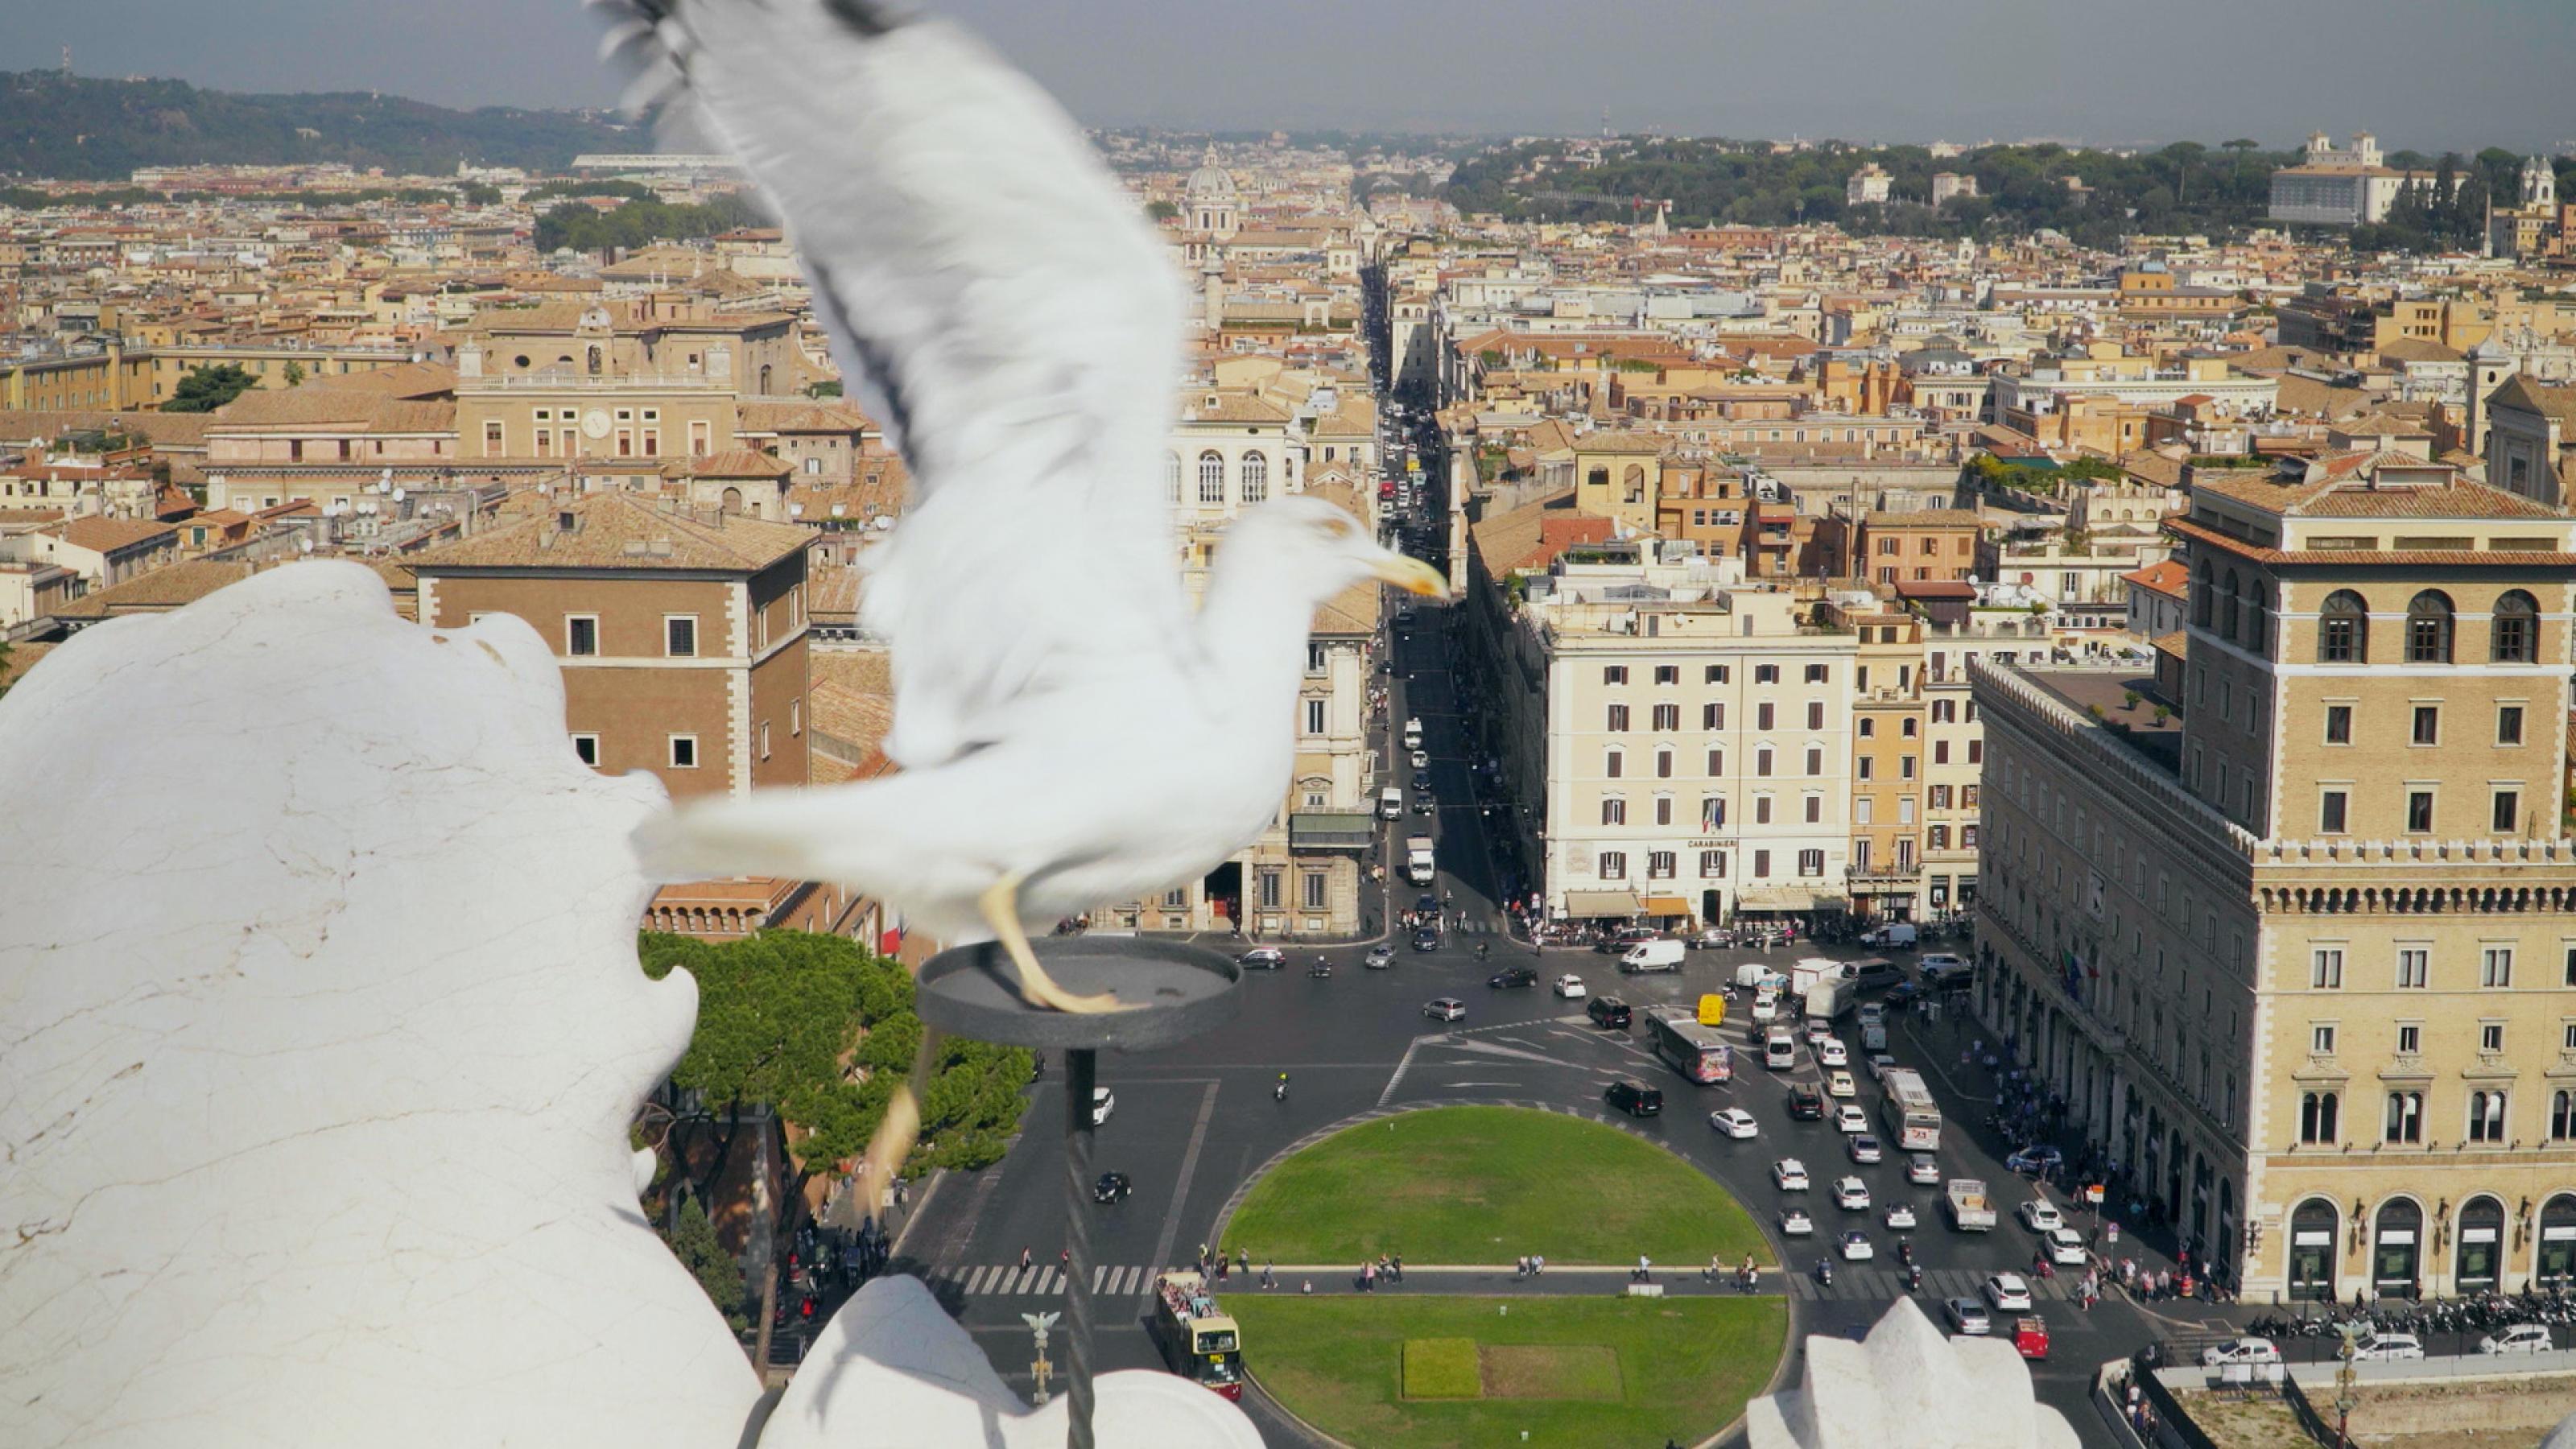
x=67, y=60
x=1605, y=110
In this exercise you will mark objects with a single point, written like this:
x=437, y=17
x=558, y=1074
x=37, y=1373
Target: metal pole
x=1079, y=1065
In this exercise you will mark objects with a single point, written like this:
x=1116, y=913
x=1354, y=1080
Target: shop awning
x=1667, y=906
x=1775, y=898
x=1594, y=905
x=1331, y=830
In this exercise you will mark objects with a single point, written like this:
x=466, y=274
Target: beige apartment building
x=2301, y=959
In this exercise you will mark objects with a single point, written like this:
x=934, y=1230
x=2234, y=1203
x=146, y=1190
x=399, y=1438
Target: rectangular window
x=1614, y=764
x=1905, y=767
x=1314, y=716
x=1811, y=862
x=1815, y=762
x=1762, y=865
x=1762, y=716
x=2495, y=966
x=2428, y=724
x=581, y=635
x=1314, y=657
x=1815, y=809
x=2491, y=1036
x=585, y=748
x=2509, y=724
x=764, y=739
x=1314, y=883
x=2414, y=966
x=2321, y=1039
x=1716, y=763
x=1716, y=674
x=2325, y=969
x=1766, y=674
x=1270, y=889
x=1614, y=865
x=1761, y=809
x=684, y=752
x=2410, y=1040
x=2508, y=811
x=1712, y=863
x=1712, y=716
x=1662, y=864
x=2419, y=812
x=1865, y=768
x=2338, y=724
x=1668, y=674
x=1863, y=809
x=2330, y=812
x=1614, y=674
x=1668, y=716
x=1614, y=811
x=1819, y=674
x=1616, y=718
x=492, y=440
x=1663, y=810
x=1815, y=714
x=680, y=635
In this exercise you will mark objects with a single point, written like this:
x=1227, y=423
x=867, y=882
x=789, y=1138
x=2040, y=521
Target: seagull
x=1070, y=731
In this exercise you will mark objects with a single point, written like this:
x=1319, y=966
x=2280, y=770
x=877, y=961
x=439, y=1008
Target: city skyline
x=2198, y=70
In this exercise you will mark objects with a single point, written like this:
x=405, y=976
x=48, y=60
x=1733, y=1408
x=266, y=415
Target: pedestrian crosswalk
x=1041, y=1280
x=1861, y=1282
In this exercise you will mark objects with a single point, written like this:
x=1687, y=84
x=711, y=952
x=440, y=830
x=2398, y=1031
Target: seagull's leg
x=1001, y=911
x=901, y=1125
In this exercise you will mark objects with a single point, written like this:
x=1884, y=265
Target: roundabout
x=1566, y=1357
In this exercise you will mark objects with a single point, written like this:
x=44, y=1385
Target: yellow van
x=1712, y=1010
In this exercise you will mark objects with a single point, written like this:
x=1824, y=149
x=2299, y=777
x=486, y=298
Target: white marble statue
x=1908, y=1384
x=320, y=1031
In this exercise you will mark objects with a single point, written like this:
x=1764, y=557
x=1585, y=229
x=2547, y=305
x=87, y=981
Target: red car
x=2030, y=1337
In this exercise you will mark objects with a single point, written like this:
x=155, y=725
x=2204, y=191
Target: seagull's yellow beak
x=1413, y=576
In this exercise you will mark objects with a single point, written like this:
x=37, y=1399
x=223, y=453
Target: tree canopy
x=204, y=389
x=584, y=227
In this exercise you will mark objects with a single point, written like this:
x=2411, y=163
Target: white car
x=1832, y=1053
x=2520, y=1338
x=1421, y=759
x=1445, y=1008
x=1840, y=1084
x=1569, y=987
x=1734, y=1122
x=1766, y=1005
x=2388, y=1346
x=1879, y=1062
x=1856, y=1248
x=1936, y=962
x=1900, y=1215
x=1103, y=1102
x=1848, y=1118
x=2240, y=1350
x=2040, y=1216
x=2007, y=1292
x=1790, y=1174
x=1865, y=1149
x=1922, y=1170
x=2066, y=1247
x=1795, y=1223
x=1968, y=1316
x=1851, y=1195
x=1819, y=1033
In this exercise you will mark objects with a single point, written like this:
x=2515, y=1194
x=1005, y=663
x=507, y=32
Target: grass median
x=1489, y=1185
x=1410, y=1371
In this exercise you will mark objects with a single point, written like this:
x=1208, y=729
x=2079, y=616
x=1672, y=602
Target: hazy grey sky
x=2423, y=73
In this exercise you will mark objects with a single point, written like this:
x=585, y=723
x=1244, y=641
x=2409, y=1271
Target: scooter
x=1914, y=1278
x=1825, y=1271
x=1279, y=1090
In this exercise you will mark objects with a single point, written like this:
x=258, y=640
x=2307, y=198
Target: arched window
x=2557, y=1263
x=1256, y=478
x=2514, y=637
x=2394, y=1248
x=2312, y=1249
x=2202, y=587
x=2258, y=616
x=2228, y=602
x=1211, y=477
x=2343, y=629
x=1172, y=474
x=2481, y=1245
x=2428, y=628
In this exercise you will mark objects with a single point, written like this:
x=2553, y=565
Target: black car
x=1515, y=976
x=1806, y=1104
x=1636, y=1099
x=1426, y=940
x=1112, y=1187
x=1421, y=781
x=1426, y=903
x=1607, y=1011
x=1424, y=805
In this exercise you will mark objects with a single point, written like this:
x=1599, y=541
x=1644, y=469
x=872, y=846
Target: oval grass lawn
x=1470, y=1185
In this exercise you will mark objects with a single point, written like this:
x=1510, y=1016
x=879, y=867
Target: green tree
x=204, y=389
x=294, y=374
x=693, y=1241
x=828, y=387
x=1162, y=210
x=476, y=193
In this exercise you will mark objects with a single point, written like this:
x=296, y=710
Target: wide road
x=1192, y=1123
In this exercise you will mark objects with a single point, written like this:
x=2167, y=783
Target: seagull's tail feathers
x=850, y=835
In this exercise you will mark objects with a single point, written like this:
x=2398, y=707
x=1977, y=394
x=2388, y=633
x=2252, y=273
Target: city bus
x=1197, y=1342
x=1911, y=1116
x=1695, y=1051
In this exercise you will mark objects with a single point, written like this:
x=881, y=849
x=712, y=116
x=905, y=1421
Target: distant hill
x=80, y=128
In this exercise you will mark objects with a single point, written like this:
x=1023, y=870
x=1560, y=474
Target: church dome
x=1211, y=181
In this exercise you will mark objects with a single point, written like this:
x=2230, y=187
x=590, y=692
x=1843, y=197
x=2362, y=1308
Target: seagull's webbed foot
x=1001, y=912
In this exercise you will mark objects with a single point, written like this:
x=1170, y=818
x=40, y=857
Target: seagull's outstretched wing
x=997, y=300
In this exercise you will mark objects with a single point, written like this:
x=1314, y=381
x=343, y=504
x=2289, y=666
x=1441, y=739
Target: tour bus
x=1198, y=1342
x=1695, y=1051
x=1911, y=1116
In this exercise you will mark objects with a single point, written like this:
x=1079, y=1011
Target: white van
x=1898, y=934
x=1413, y=734
x=1779, y=1051
x=1652, y=956
x=1390, y=803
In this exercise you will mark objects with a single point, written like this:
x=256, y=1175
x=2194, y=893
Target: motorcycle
x=1825, y=1271
x=1913, y=1278
x=1279, y=1090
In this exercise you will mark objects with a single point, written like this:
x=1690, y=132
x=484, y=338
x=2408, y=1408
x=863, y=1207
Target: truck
x=1806, y=975
x=1971, y=1211
x=1828, y=1001
x=1417, y=859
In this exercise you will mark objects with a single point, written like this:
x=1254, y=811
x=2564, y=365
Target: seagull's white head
x=1319, y=549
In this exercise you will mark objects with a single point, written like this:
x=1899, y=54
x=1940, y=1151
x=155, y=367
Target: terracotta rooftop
x=2167, y=578
x=2340, y=487
x=623, y=531
x=106, y=535
x=158, y=591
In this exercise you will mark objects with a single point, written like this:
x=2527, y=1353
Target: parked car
x=1923, y=1170
x=1379, y=957
x=1968, y=1316
x=2379, y=1346
x=2041, y=1216
x=1111, y=1187
x=2519, y=1338
x=2008, y=1292
x=1608, y=1011
x=1806, y=1104
x=1851, y=1119
x=1635, y=1098
x=2240, y=1350
x=1794, y=1222
x=1103, y=1102
x=1855, y=1247
x=1262, y=958
x=1513, y=977
x=2066, y=1246
x=1864, y=1149
x=1851, y=1195
x=1734, y=1122
x=1789, y=1174
x=1426, y=939
x=1840, y=1084
x=1900, y=1216
x=1445, y=1008
x=1570, y=987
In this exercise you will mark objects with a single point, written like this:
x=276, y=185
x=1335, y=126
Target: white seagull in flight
x=1069, y=732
